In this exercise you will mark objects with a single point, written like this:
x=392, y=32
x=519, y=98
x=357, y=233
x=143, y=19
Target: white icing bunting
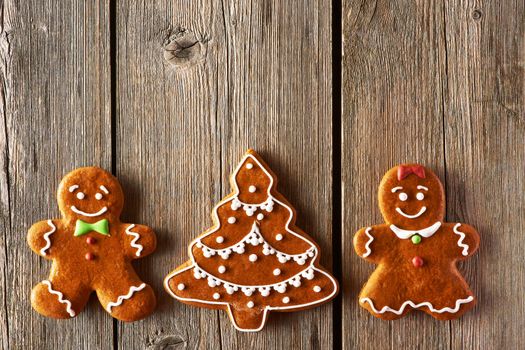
x=248, y=290
x=121, y=298
x=46, y=237
x=367, y=245
x=251, y=208
x=134, y=243
x=61, y=298
x=255, y=238
x=460, y=240
x=415, y=306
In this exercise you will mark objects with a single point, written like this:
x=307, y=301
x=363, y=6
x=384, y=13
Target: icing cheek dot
x=420, y=196
x=252, y=258
x=219, y=239
x=317, y=289
x=276, y=272
x=222, y=269
x=260, y=216
x=250, y=304
x=403, y=196
x=286, y=300
x=232, y=220
x=279, y=237
x=181, y=286
x=98, y=196
x=252, y=189
x=216, y=296
x=249, y=166
x=81, y=195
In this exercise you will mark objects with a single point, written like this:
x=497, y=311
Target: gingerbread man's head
x=411, y=197
x=90, y=193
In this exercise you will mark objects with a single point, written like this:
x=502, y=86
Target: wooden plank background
x=169, y=94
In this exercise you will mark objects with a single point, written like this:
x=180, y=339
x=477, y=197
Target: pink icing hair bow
x=405, y=170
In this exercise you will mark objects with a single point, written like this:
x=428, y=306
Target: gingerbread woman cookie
x=254, y=259
x=91, y=251
x=415, y=250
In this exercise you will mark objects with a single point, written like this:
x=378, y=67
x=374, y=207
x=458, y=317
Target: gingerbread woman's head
x=411, y=197
x=90, y=193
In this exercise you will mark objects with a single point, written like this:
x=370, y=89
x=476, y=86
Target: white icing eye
x=420, y=196
x=98, y=196
x=403, y=196
x=81, y=195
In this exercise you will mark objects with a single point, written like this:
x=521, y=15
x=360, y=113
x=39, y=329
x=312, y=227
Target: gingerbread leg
x=127, y=299
x=60, y=297
x=248, y=320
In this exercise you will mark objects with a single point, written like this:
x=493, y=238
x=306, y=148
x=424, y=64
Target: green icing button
x=416, y=239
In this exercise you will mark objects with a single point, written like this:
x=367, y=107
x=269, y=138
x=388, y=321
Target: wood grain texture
x=54, y=117
x=198, y=82
x=485, y=162
x=461, y=75
x=393, y=74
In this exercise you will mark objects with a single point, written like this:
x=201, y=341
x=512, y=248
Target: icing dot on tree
x=219, y=239
x=317, y=289
x=222, y=269
x=181, y=286
x=276, y=272
x=249, y=166
x=216, y=296
x=286, y=300
x=260, y=216
x=232, y=220
x=252, y=188
x=250, y=304
x=279, y=237
x=252, y=257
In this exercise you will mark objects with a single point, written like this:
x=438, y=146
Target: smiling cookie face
x=411, y=197
x=90, y=193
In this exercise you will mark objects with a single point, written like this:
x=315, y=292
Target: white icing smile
x=100, y=212
x=421, y=211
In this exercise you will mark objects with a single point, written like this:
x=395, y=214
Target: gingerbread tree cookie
x=91, y=251
x=415, y=250
x=254, y=259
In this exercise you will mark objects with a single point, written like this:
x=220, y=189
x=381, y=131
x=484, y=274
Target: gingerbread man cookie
x=415, y=250
x=91, y=251
x=254, y=259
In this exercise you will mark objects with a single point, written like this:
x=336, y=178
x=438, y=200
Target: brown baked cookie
x=91, y=251
x=254, y=259
x=416, y=252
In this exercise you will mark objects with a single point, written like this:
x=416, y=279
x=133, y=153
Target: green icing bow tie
x=83, y=227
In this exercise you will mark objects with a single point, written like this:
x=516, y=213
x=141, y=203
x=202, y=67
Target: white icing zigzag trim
x=367, y=245
x=460, y=240
x=415, y=306
x=134, y=243
x=61, y=298
x=46, y=237
x=248, y=290
x=255, y=238
x=121, y=298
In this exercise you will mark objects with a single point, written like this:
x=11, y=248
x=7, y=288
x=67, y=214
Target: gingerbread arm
x=139, y=240
x=40, y=237
x=364, y=240
x=467, y=240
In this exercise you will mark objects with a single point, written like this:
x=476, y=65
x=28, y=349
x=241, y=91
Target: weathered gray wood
x=54, y=117
x=485, y=162
x=232, y=75
x=393, y=75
